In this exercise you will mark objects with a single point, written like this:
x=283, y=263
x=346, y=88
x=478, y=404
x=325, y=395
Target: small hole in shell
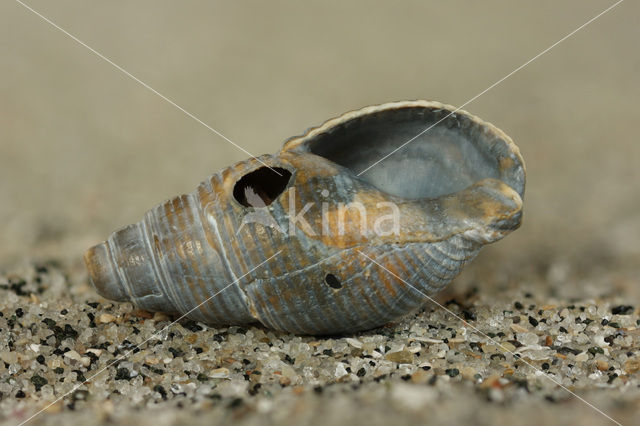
x=332, y=281
x=261, y=187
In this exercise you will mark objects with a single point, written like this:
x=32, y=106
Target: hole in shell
x=332, y=281
x=261, y=187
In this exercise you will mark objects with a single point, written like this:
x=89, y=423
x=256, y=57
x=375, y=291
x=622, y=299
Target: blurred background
x=85, y=149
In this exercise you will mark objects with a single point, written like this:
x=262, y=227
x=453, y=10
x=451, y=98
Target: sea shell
x=310, y=244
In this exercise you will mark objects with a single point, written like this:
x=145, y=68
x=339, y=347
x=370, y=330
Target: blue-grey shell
x=214, y=258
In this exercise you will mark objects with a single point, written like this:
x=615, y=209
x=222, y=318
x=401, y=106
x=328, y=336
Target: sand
x=471, y=357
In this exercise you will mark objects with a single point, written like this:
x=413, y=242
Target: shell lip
x=297, y=142
x=510, y=165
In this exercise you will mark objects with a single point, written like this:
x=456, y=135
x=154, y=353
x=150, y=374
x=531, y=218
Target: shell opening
x=451, y=155
x=261, y=187
x=332, y=281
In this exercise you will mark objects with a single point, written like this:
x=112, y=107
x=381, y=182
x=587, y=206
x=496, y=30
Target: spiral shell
x=291, y=245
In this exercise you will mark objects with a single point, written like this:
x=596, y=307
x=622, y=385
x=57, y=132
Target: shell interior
x=448, y=157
